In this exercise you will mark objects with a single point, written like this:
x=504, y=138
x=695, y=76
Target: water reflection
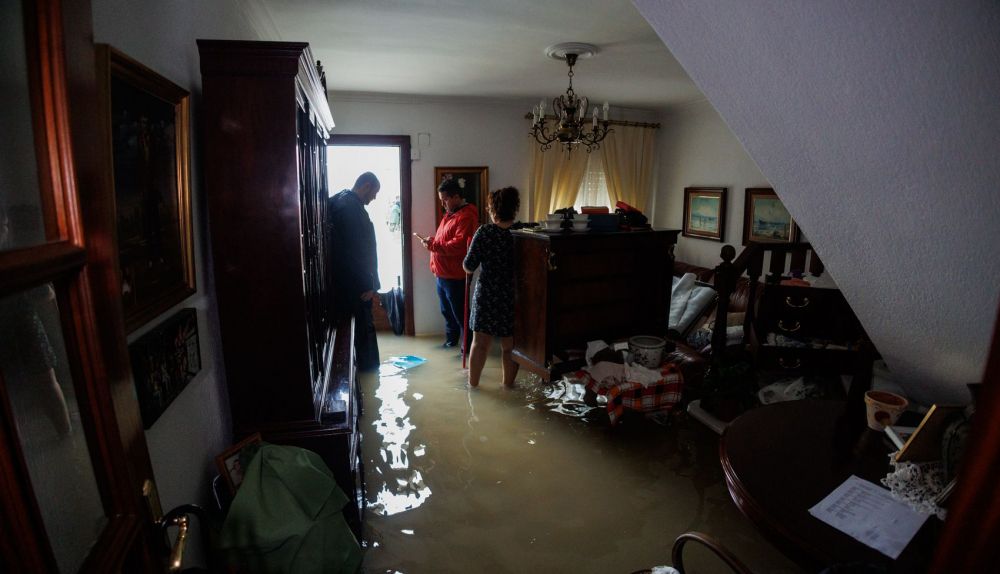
x=403, y=487
x=529, y=469
x=564, y=397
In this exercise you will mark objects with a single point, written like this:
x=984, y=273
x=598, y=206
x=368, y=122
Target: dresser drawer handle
x=790, y=303
x=789, y=364
x=792, y=329
x=552, y=264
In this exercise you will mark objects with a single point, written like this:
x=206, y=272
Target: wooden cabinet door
x=73, y=457
x=531, y=302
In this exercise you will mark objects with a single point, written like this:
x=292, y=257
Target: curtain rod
x=612, y=122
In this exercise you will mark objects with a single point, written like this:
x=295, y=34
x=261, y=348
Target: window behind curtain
x=594, y=188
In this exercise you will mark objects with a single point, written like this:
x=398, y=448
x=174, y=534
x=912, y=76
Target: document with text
x=869, y=514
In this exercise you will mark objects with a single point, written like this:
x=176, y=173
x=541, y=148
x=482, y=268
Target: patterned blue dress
x=493, y=303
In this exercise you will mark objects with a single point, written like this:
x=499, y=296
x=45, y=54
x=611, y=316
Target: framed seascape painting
x=765, y=219
x=148, y=119
x=475, y=184
x=705, y=212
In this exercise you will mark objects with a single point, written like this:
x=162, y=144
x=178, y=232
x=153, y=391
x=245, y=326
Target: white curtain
x=555, y=179
x=628, y=154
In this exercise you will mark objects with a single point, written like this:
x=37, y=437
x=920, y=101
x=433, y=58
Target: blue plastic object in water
x=405, y=361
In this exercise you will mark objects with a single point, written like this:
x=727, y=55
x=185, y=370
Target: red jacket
x=451, y=241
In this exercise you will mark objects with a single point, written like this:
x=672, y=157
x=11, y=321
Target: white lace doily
x=917, y=484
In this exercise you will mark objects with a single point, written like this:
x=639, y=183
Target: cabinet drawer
x=795, y=325
x=805, y=361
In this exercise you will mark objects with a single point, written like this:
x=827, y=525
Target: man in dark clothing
x=354, y=262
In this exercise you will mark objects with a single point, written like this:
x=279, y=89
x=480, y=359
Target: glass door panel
x=35, y=377
x=21, y=222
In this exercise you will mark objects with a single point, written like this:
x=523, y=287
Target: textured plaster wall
x=185, y=439
x=878, y=126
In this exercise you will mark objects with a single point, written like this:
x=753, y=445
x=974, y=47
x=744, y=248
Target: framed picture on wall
x=475, y=184
x=164, y=361
x=148, y=118
x=765, y=219
x=231, y=463
x=705, y=212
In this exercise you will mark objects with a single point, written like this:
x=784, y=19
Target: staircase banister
x=749, y=261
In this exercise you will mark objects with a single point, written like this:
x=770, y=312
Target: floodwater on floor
x=532, y=479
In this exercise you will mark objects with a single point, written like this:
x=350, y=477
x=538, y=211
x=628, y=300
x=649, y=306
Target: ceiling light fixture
x=571, y=122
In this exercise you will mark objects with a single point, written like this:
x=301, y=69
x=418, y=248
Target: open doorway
x=388, y=157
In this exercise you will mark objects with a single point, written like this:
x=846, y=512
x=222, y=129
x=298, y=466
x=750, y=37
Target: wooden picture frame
x=475, y=184
x=765, y=219
x=229, y=465
x=147, y=117
x=705, y=213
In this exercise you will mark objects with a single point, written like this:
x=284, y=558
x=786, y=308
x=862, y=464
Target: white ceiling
x=485, y=48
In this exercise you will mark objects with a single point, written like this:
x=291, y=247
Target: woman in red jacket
x=448, y=246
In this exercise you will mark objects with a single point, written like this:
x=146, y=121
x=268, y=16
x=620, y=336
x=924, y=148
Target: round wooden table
x=781, y=459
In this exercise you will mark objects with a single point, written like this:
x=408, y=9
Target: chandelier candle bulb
x=606, y=106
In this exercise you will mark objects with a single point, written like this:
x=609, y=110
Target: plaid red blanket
x=661, y=396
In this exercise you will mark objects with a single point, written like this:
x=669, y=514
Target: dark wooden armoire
x=289, y=359
x=571, y=288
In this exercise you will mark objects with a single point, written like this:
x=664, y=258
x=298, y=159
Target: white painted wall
x=877, y=124
x=161, y=35
x=697, y=149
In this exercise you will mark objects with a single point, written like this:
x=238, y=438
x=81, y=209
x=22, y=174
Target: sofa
x=694, y=362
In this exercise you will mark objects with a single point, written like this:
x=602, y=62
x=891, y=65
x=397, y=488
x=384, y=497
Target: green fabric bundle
x=286, y=517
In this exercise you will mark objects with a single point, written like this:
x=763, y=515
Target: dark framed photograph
x=164, y=361
x=705, y=212
x=230, y=463
x=475, y=184
x=765, y=219
x=148, y=119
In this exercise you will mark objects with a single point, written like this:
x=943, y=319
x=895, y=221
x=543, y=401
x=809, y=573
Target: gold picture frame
x=475, y=184
x=147, y=121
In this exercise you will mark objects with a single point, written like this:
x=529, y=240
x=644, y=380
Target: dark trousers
x=365, y=343
x=451, y=295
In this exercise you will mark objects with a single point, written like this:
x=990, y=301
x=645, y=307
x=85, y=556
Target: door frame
x=405, y=199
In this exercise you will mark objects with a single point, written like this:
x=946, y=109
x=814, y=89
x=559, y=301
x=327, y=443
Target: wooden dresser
x=571, y=288
x=809, y=314
x=290, y=364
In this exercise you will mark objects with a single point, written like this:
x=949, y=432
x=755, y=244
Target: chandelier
x=572, y=127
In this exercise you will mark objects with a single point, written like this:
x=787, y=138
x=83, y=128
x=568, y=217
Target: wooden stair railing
x=751, y=262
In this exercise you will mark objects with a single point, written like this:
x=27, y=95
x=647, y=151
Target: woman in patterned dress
x=493, y=303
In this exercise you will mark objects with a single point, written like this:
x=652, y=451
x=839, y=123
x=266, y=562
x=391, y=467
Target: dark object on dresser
x=576, y=287
x=289, y=360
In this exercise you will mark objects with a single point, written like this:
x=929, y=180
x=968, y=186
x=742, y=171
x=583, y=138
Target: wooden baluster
x=777, y=268
x=799, y=259
x=815, y=265
x=754, y=270
x=725, y=281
